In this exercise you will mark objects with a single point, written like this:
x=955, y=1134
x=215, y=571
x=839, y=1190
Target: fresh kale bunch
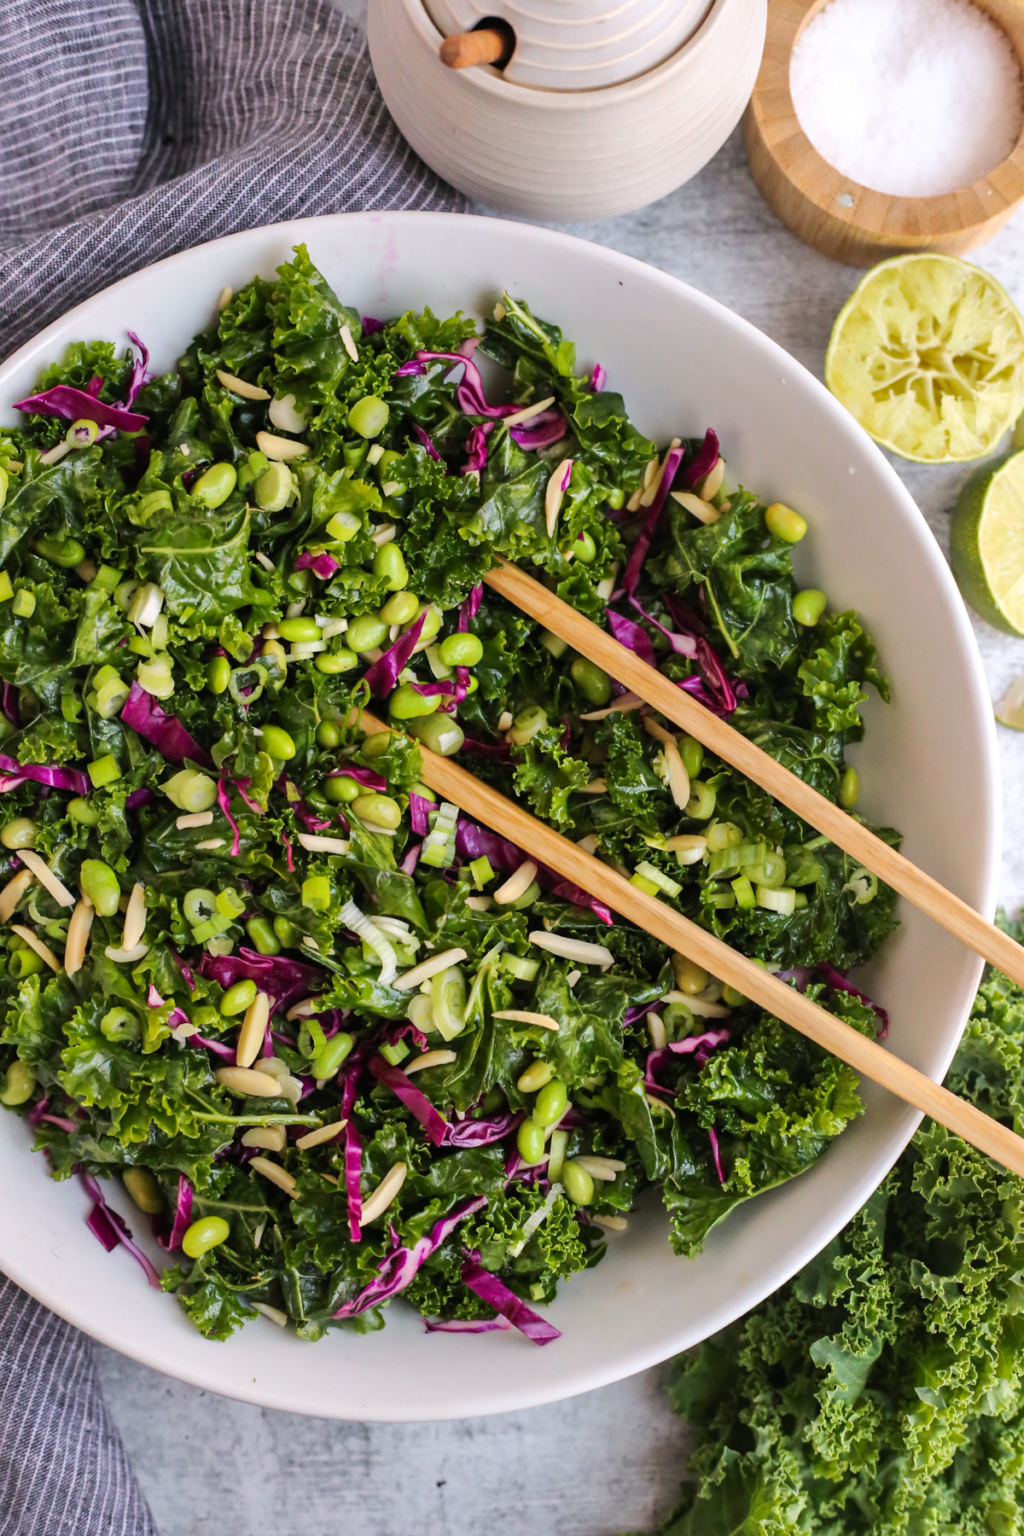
x=882, y=1390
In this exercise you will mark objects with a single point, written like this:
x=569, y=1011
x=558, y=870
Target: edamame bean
x=584, y=549
x=366, y=632
x=400, y=608
x=460, y=650
x=379, y=809
x=785, y=523
x=377, y=744
x=63, y=552
x=330, y=1056
x=536, y=1075
x=144, y=1190
x=316, y=893
x=20, y=1084
x=24, y=962
x=530, y=1141
x=237, y=998
x=287, y=932
x=263, y=936
x=406, y=704
x=99, y=883
x=386, y=471
x=578, y=1184
x=808, y=606
x=389, y=565
x=328, y=734
x=431, y=622
x=83, y=811
x=691, y=978
x=369, y=416
x=849, y=789
x=731, y=998
x=19, y=833
x=692, y=754
x=278, y=743
x=341, y=788
x=616, y=498
x=332, y=663
x=214, y=487
x=218, y=673
x=440, y=733
x=298, y=630
x=206, y=1233
x=593, y=683
x=275, y=488
x=549, y=1105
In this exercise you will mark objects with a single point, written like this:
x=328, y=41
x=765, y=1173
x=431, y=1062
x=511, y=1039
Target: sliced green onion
x=774, y=900
x=395, y=1053
x=862, y=887
x=723, y=834
x=198, y=905
x=663, y=882
x=643, y=884
x=519, y=967
x=481, y=871
x=744, y=892
x=363, y=928
x=448, y=1002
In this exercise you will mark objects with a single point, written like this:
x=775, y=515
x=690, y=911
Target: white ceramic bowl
x=683, y=363
x=578, y=45
x=567, y=154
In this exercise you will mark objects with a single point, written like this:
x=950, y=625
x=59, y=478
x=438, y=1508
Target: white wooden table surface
x=610, y=1461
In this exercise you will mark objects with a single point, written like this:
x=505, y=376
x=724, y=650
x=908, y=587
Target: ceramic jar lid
x=579, y=45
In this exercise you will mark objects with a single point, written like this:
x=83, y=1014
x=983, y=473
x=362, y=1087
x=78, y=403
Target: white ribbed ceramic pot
x=567, y=155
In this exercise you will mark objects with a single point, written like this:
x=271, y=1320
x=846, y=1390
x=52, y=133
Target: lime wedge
x=986, y=542
x=1010, y=709
x=928, y=355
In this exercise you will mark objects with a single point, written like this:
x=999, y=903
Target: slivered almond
x=194, y=819
x=35, y=942
x=78, y=935
x=429, y=1059
x=698, y=1006
x=253, y=1031
x=126, y=956
x=274, y=1314
x=250, y=1084
x=268, y=565
x=557, y=485
x=227, y=293
x=702, y=510
x=134, y=917
x=712, y=482
x=479, y=903
x=595, y=787
x=239, y=386
x=321, y=1134
x=428, y=968
x=572, y=949
x=12, y=893
x=383, y=534
x=589, y=843
x=505, y=720
x=305, y=1009
x=657, y=1032
x=314, y=843
x=210, y=844
x=517, y=884
x=45, y=875
x=528, y=411
x=678, y=778
x=347, y=341
x=524, y=1016
x=272, y=1138
x=612, y=1223
x=383, y=1195
x=604, y=1168
x=275, y=1173
x=280, y=447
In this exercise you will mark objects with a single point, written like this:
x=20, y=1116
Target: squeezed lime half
x=928, y=355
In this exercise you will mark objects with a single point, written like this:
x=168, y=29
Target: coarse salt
x=910, y=97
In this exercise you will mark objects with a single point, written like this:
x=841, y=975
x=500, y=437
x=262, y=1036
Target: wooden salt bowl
x=838, y=216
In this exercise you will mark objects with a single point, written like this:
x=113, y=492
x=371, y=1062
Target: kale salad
x=339, y=1042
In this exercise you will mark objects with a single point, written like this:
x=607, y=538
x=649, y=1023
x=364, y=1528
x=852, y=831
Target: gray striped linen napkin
x=129, y=131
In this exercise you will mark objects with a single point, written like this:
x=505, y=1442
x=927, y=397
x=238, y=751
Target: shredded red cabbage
x=104, y=1222
x=638, y=554
x=467, y=1325
x=541, y=431
x=683, y=645
x=632, y=636
x=400, y=1267
x=350, y=1075
x=597, y=379
x=415, y=1101
x=371, y=326
x=483, y=1132
x=182, y=1215
x=321, y=564
x=139, y=366
x=837, y=982
x=699, y=1045
x=369, y=778
x=285, y=981
x=419, y=813
x=476, y=449
x=224, y=801
x=165, y=732
x=382, y=676
x=76, y=405
x=473, y=842
x=410, y=859
x=716, y=1154
x=423, y=437
x=497, y=1295
x=215, y=1047
x=58, y=778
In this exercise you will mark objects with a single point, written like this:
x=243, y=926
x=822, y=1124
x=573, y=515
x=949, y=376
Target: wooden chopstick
x=894, y=868
x=865, y=1056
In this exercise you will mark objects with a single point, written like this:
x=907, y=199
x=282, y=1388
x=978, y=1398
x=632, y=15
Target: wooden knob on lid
x=485, y=45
